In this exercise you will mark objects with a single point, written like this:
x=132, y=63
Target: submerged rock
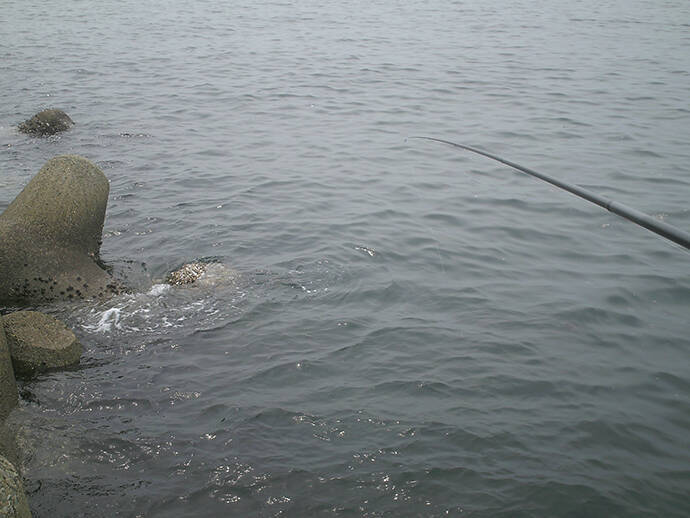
x=47, y=122
x=188, y=274
x=8, y=385
x=202, y=274
x=38, y=342
x=13, y=503
x=51, y=235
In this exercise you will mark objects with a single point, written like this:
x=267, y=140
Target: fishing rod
x=640, y=218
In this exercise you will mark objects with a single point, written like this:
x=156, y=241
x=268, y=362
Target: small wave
x=159, y=289
x=584, y=316
x=635, y=438
x=370, y=251
x=116, y=404
x=165, y=307
x=646, y=153
x=434, y=389
x=108, y=319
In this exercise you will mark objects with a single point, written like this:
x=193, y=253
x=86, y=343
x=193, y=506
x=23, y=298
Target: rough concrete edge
x=8, y=384
x=29, y=361
x=13, y=500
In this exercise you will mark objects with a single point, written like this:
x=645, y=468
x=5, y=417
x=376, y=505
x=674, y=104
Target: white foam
x=109, y=318
x=164, y=306
x=158, y=289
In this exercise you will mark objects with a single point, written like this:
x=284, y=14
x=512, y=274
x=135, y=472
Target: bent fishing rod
x=639, y=218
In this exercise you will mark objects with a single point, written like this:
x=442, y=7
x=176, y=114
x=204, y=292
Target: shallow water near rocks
x=411, y=330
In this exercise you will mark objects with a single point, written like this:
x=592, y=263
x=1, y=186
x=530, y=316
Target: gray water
x=411, y=330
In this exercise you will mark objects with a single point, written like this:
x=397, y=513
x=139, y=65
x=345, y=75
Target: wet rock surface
x=39, y=342
x=202, y=274
x=13, y=503
x=51, y=236
x=8, y=444
x=47, y=122
x=187, y=274
x=8, y=385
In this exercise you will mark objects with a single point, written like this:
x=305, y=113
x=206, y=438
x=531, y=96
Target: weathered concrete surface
x=13, y=502
x=8, y=385
x=8, y=445
x=51, y=235
x=47, y=122
x=39, y=342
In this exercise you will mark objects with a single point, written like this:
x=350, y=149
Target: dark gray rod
x=640, y=218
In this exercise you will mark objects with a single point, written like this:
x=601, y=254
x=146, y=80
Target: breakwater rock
x=46, y=122
x=8, y=384
x=51, y=236
x=13, y=503
x=186, y=274
x=8, y=445
x=202, y=274
x=39, y=342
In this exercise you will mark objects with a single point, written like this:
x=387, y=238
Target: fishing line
x=639, y=218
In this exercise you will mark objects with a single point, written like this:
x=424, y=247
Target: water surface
x=412, y=331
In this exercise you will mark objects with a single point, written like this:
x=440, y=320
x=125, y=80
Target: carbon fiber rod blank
x=639, y=218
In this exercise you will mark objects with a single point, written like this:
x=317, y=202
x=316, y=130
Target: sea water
x=409, y=330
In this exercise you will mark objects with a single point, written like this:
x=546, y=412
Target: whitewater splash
x=164, y=306
x=158, y=289
x=109, y=319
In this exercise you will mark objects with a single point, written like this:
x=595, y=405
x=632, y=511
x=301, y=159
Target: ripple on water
x=415, y=331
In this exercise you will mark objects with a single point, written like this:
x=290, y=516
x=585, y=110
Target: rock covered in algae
x=46, y=122
x=51, y=235
x=8, y=385
x=39, y=342
x=13, y=503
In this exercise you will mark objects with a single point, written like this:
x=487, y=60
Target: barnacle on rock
x=189, y=273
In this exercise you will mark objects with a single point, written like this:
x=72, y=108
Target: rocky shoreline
x=13, y=502
x=30, y=343
x=50, y=238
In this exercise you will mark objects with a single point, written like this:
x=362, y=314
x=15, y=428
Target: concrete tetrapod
x=46, y=122
x=12, y=497
x=8, y=445
x=13, y=503
x=39, y=342
x=50, y=236
x=8, y=385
